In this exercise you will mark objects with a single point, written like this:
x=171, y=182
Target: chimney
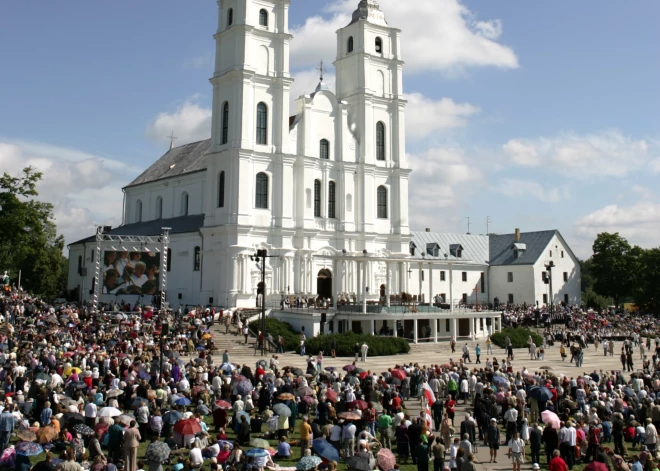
x=428, y=229
x=516, y=237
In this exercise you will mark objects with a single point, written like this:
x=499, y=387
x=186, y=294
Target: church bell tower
x=370, y=79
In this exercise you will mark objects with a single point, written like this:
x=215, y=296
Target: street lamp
x=261, y=256
x=548, y=280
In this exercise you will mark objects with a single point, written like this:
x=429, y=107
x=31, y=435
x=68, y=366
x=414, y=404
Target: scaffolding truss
x=131, y=243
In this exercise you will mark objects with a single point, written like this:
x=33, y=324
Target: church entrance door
x=324, y=283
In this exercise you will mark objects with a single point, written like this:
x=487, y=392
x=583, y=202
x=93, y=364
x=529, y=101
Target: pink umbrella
x=550, y=418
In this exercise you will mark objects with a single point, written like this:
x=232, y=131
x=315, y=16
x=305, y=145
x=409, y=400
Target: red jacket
x=557, y=464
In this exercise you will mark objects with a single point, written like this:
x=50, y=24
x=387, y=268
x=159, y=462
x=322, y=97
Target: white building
x=324, y=188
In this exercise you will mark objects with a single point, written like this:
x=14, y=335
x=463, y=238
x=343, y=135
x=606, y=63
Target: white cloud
x=525, y=188
x=643, y=192
x=639, y=223
x=441, y=181
x=437, y=35
x=85, y=189
x=607, y=154
x=190, y=122
x=424, y=115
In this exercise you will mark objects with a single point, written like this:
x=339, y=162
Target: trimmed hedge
x=378, y=346
x=275, y=327
x=517, y=336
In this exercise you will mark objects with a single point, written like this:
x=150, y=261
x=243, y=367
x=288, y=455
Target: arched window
x=230, y=17
x=169, y=259
x=221, y=190
x=159, y=208
x=331, y=200
x=138, y=211
x=262, y=124
x=379, y=45
x=80, y=264
x=317, y=198
x=197, y=259
x=225, y=123
x=184, y=203
x=382, y=202
x=261, y=193
x=263, y=17
x=324, y=152
x=350, y=44
x=380, y=141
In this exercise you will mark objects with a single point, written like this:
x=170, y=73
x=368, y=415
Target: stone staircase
x=233, y=341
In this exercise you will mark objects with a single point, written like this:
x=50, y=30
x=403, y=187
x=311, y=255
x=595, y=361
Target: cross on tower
x=172, y=137
x=321, y=70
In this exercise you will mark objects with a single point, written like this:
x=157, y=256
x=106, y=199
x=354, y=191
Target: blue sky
x=538, y=114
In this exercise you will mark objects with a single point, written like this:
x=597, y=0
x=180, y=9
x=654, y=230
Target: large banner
x=131, y=272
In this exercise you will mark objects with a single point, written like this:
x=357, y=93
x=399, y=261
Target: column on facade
x=395, y=332
x=372, y=327
x=310, y=271
x=419, y=295
x=233, y=277
x=404, y=275
x=364, y=287
x=451, y=288
x=471, y=328
x=454, y=328
x=434, y=330
x=401, y=287
x=475, y=328
x=415, y=338
x=387, y=284
x=336, y=281
x=431, y=283
x=357, y=270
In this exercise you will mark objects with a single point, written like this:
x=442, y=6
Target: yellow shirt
x=305, y=431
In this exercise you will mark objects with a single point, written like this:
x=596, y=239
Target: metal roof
x=177, y=161
x=475, y=247
x=501, y=247
x=178, y=225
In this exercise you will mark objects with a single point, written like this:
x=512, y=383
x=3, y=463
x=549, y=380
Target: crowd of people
x=87, y=389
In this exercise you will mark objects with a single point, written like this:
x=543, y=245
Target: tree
x=28, y=237
x=647, y=294
x=614, y=266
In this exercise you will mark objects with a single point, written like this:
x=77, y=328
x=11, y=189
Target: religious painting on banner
x=131, y=272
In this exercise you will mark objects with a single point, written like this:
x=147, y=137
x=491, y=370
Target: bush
x=275, y=327
x=378, y=346
x=517, y=336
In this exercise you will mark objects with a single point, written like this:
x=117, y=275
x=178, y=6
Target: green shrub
x=518, y=337
x=378, y=346
x=275, y=327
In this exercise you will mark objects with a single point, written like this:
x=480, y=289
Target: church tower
x=251, y=88
x=370, y=79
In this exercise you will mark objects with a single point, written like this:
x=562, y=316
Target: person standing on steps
x=364, y=349
x=246, y=332
x=477, y=352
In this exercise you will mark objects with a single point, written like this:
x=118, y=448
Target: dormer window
x=433, y=249
x=518, y=249
x=379, y=46
x=412, y=247
x=456, y=250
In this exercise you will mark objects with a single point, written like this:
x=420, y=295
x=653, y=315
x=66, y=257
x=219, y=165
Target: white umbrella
x=109, y=412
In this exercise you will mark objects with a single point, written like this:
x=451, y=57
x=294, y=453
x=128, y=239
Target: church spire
x=369, y=10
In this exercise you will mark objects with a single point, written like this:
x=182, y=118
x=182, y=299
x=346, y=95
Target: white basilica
x=324, y=189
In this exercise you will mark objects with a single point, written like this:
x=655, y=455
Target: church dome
x=370, y=11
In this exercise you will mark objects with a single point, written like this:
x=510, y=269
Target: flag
x=428, y=394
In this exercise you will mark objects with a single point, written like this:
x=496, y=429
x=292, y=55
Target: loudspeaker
x=165, y=329
x=324, y=317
